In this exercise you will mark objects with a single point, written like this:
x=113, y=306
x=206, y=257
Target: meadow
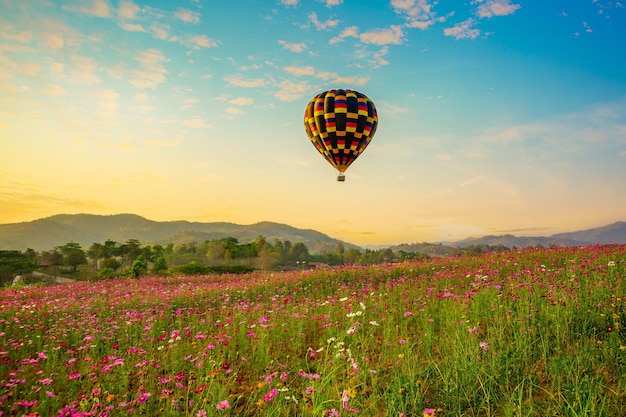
x=530, y=332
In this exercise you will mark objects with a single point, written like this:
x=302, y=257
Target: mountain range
x=86, y=229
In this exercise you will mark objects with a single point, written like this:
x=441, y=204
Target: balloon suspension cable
x=341, y=177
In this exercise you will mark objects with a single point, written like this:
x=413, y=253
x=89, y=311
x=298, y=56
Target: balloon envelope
x=340, y=124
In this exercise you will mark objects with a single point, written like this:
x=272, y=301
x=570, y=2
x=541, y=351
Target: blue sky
x=495, y=116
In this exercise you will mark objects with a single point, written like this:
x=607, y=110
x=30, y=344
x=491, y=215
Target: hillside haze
x=86, y=229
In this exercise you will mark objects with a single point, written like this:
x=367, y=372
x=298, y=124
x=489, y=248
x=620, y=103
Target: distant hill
x=86, y=229
x=431, y=249
x=612, y=233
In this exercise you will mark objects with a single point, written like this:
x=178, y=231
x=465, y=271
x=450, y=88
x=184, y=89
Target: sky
x=495, y=116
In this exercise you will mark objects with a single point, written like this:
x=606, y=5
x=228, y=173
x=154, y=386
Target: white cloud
x=189, y=103
x=330, y=3
x=289, y=2
x=290, y=91
x=99, y=8
x=418, y=14
x=107, y=101
x=463, y=30
x=132, y=27
x=492, y=8
x=237, y=81
x=393, y=35
x=379, y=57
x=293, y=47
x=322, y=25
x=188, y=16
x=202, y=41
x=140, y=98
x=83, y=70
x=128, y=10
x=350, y=32
x=299, y=71
x=152, y=72
x=337, y=79
x=53, y=40
x=22, y=37
x=242, y=101
x=196, y=122
x=234, y=111
x=160, y=31
x=55, y=90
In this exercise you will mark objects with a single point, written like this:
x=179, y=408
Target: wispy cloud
x=99, y=8
x=490, y=8
x=201, y=41
x=330, y=23
x=463, y=30
x=299, y=71
x=83, y=70
x=132, y=27
x=418, y=14
x=238, y=81
x=290, y=91
x=338, y=79
x=152, y=72
x=128, y=10
x=242, y=101
x=196, y=123
x=107, y=101
x=387, y=36
x=187, y=15
x=293, y=47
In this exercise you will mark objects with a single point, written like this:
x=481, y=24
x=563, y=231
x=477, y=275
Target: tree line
x=226, y=255
x=132, y=258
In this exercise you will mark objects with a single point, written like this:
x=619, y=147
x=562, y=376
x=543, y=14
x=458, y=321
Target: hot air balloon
x=340, y=123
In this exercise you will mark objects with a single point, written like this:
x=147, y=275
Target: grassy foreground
x=534, y=332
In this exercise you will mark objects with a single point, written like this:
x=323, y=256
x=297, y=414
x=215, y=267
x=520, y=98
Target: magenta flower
x=484, y=345
x=429, y=412
x=271, y=395
x=143, y=397
x=223, y=405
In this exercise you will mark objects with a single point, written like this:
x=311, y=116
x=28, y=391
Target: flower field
x=532, y=332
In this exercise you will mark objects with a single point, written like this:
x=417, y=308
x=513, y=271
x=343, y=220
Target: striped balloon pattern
x=340, y=124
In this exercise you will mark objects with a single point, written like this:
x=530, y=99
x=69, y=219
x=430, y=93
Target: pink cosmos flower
x=143, y=397
x=223, y=405
x=429, y=412
x=271, y=395
x=484, y=345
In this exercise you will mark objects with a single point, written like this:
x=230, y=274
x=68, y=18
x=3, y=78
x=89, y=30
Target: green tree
x=160, y=265
x=51, y=258
x=299, y=252
x=352, y=256
x=14, y=263
x=111, y=263
x=95, y=252
x=109, y=249
x=73, y=255
x=139, y=267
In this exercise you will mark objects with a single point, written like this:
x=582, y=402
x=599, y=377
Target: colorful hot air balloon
x=340, y=123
